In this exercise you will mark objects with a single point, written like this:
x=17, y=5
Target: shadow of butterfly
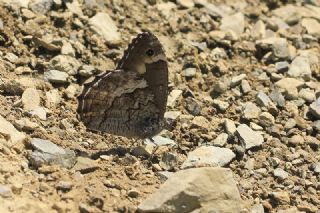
x=131, y=100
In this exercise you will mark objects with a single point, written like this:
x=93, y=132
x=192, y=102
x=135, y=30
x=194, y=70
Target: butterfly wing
x=128, y=102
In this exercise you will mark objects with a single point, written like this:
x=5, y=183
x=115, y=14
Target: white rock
x=248, y=137
x=103, y=25
x=233, y=22
x=196, y=190
x=312, y=26
x=221, y=140
x=30, y=99
x=208, y=156
x=173, y=97
x=55, y=76
x=300, y=67
x=10, y=133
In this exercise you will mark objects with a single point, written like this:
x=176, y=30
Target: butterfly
x=131, y=100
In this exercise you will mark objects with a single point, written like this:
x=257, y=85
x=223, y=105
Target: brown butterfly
x=131, y=100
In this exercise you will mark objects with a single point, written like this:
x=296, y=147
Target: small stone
x=64, y=185
x=315, y=108
x=172, y=115
x=134, y=193
x=221, y=140
x=11, y=57
x=103, y=25
x=245, y=86
x=289, y=83
x=55, y=76
x=230, y=126
x=300, y=67
x=279, y=46
x=86, y=71
x=5, y=191
x=46, y=152
x=316, y=125
x=277, y=97
x=30, y=99
x=71, y=91
x=263, y=100
x=85, y=165
x=251, y=111
x=160, y=141
x=248, y=137
x=233, y=22
x=16, y=188
x=10, y=133
x=266, y=119
x=186, y=3
x=40, y=112
x=53, y=98
x=189, y=72
x=67, y=49
x=25, y=124
x=291, y=123
x=208, y=156
x=169, y=161
x=312, y=26
x=200, y=122
x=316, y=167
x=221, y=105
x=64, y=63
x=274, y=161
x=235, y=81
x=40, y=6
x=257, y=208
x=307, y=95
x=282, y=66
x=281, y=197
x=173, y=97
x=193, y=106
x=296, y=140
x=259, y=30
x=280, y=173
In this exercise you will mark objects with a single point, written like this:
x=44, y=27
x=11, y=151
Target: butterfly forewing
x=131, y=100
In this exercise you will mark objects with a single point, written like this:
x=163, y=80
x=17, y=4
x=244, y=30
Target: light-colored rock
x=233, y=22
x=173, y=97
x=40, y=6
x=10, y=133
x=263, y=99
x=280, y=173
x=46, y=152
x=208, y=156
x=312, y=26
x=39, y=112
x=279, y=47
x=300, y=67
x=64, y=63
x=195, y=190
x=103, y=25
x=315, y=108
x=186, y=3
x=248, y=137
x=53, y=98
x=259, y=30
x=160, y=141
x=5, y=191
x=266, y=119
x=85, y=165
x=25, y=124
x=30, y=99
x=307, y=95
x=221, y=140
x=172, y=115
x=251, y=111
x=245, y=86
x=236, y=80
x=289, y=83
x=230, y=126
x=55, y=76
x=200, y=122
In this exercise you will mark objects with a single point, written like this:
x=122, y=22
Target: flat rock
x=208, y=156
x=289, y=83
x=248, y=137
x=85, y=165
x=251, y=111
x=312, y=26
x=56, y=76
x=263, y=99
x=300, y=67
x=46, y=152
x=196, y=190
x=230, y=126
x=65, y=63
x=280, y=173
x=173, y=97
x=103, y=25
x=186, y=3
x=40, y=6
x=233, y=22
x=10, y=133
x=279, y=47
x=40, y=112
x=30, y=99
x=160, y=141
x=221, y=140
x=315, y=108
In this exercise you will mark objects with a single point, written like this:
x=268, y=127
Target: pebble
x=12, y=135
x=245, y=86
x=186, y=3
x=64, y=63
x=221, y=105
x=233, y=22
x=291, y=123
x=25, y=124
x=5, y=191
x=46, y=152
x=266, y=119
x=86, y=70
x=281, y=197
x=280, y=173
x=67, y=49
x=263, y=100
x=315, y=108
x=312, y=26
x=289, y=83
x=279, y=46
x=282, y=66
x=300, y=67
x=160, y=141
x=40, y=112
x=172, y=115
x=200, y=122
x=103, y=25
x=189, y=72
x=248, y=137
x=230, y=126
x=40, y=6
x=235, y=81
x=55, y=76
x=251, y=111
x=296, y=140
x=30, y=99
x=307, y=95
x=193, y=106
x=258, y=30
x=277, y=97
x=173, y=97
x=64, y=185
x=208, y=156
x=85, y=165
x=221, y=140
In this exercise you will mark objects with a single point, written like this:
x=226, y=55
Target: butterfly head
x=144, y=49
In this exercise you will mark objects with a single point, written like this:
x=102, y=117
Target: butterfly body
x=129, y=101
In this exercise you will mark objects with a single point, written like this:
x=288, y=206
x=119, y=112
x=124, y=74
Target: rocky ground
x=244, y=95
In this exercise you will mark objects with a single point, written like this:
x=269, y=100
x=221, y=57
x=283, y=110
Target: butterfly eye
x=150, y=52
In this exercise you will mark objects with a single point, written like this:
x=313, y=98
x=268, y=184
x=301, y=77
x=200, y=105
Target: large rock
x=103, y=25
x=10, y=133
x=196, y=190
x=208, y=156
